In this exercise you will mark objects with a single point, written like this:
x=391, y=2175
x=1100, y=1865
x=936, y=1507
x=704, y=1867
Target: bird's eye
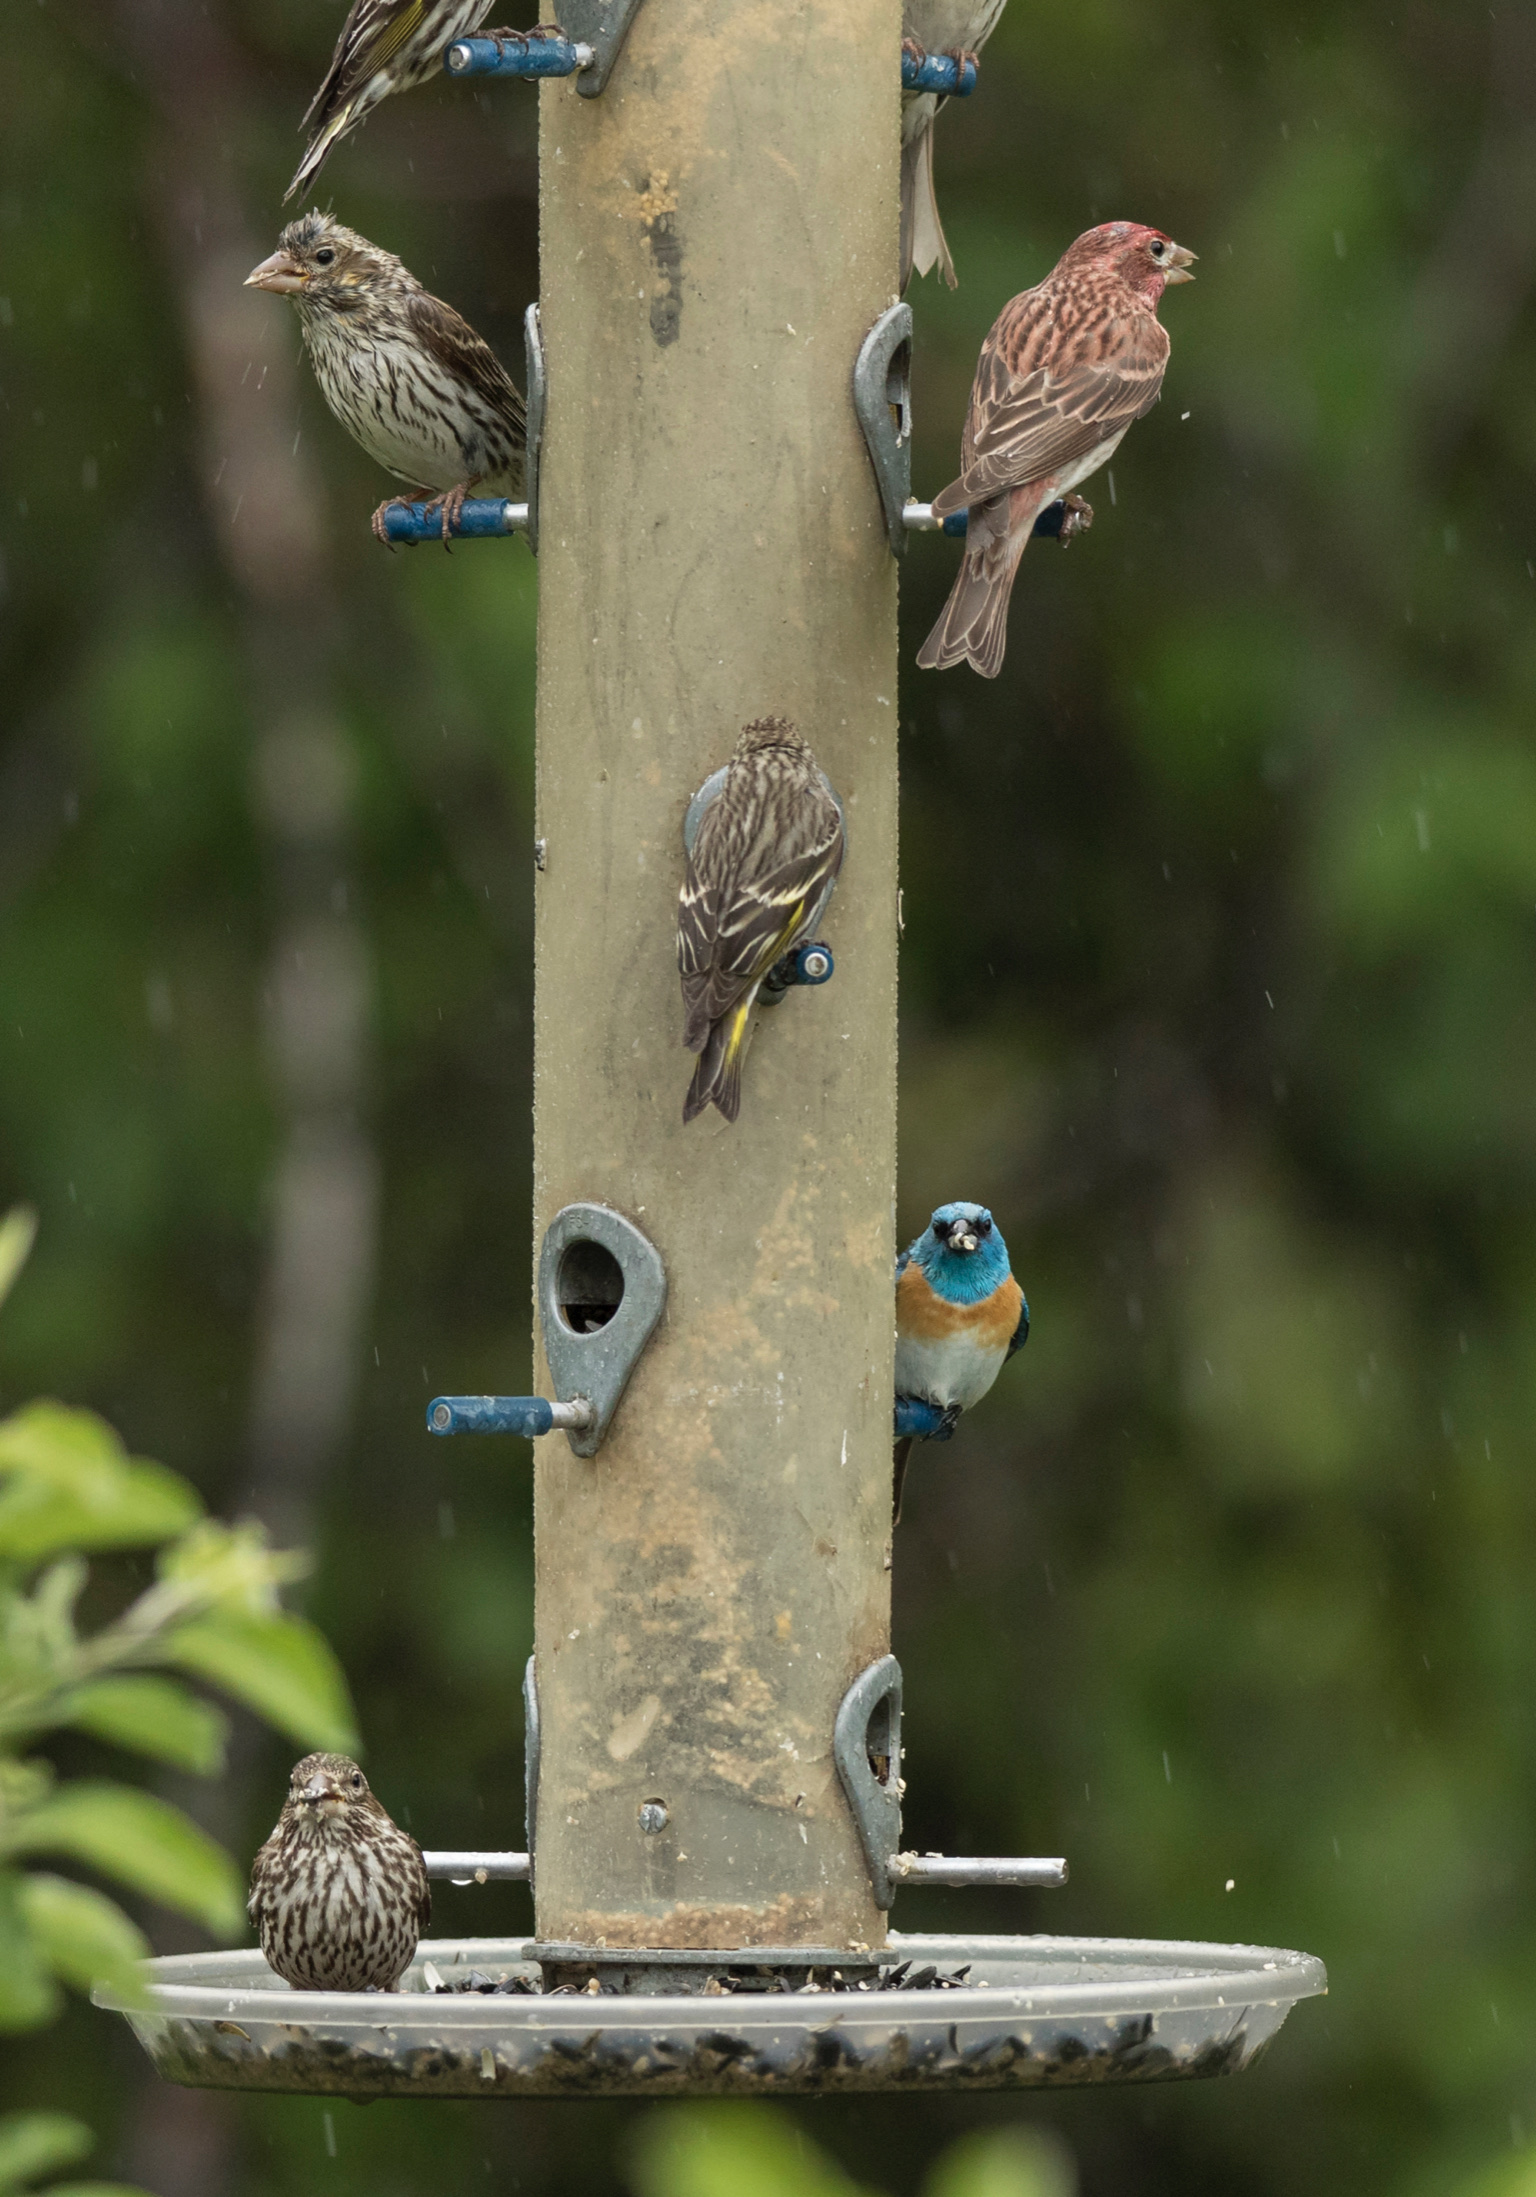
x=357, y=1781
x=1159, y=248
x=324, y=256
x=942, y=1228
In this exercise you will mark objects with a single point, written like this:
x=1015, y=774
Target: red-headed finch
x=760, y=874
x=385, y=46
x=339, y=1893
x=405, y=375
x=958, y=29
x=1065, y=369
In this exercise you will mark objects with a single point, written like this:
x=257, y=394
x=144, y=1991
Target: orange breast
x=927, y=1317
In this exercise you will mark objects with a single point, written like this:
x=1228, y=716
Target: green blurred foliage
x=67, y=1486
x=1225, y=1008
x=757, y=2151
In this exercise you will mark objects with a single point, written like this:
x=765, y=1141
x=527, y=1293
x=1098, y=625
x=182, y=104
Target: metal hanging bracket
x=866, y=1746
x=882, y=397
x=533, y=352
x=602, y=1289
x=591, y=34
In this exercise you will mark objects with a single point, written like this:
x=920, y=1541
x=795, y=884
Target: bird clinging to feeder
x=339, y=1893
x=1064, y=371
x=404, y=373
x=957, y=28
x=385, y=46
x=759, y=876
x=960, y=1316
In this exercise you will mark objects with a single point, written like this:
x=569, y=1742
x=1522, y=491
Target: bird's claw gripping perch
x=1076, y=518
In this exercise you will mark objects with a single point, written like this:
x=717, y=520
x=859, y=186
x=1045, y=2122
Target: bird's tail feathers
x=973, y=625
x=319, y=146
x=717, y=1078
x=899, y=1457
x=923, y=244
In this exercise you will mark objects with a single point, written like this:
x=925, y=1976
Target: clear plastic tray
x=1035, y=2012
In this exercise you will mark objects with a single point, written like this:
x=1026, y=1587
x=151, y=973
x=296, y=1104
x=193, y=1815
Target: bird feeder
x=713, y=1710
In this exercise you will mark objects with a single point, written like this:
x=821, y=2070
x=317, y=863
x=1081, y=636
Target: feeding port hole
x=589, y=1286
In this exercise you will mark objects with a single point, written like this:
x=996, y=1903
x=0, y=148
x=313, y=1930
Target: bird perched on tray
x=1066, y=368
x=761, y=871
x=405, y=375
x=960, y=1316
x=958, y=29
x=385, y=46
x=339, y=1893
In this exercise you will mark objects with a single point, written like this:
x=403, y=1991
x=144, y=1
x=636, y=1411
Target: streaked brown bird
x=957, y=29
x=385, y=46
x=339, y=1893
x=402, y=371
x=764, y=861
x=1066, y=368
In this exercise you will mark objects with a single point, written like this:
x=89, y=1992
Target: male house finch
x=1065, y=369
x=960, y=1316
x=764, y=861
x=339, y=1893
x=958, y=28
x=404, y=374
x=385, y=46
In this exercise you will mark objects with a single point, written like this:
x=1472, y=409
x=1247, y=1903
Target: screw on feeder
x=654, y=1816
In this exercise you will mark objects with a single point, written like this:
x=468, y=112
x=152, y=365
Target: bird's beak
x=283, y=273
x=1181, y=257
x=962, y=1240
x=321, y=1787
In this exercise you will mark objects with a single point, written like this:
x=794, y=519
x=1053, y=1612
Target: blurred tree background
x=1220, y=912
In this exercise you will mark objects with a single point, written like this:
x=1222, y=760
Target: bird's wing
x=424, y=1903
x=1020, y=1334
x=903, y=1261
x=1030, y=417
x=454, y=344
x=257, y=1900
x=372, y=34
x=754, y=887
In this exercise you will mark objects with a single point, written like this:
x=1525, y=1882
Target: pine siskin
x=385, y=46
x=1066, y=368
x=404, y=374
x=764, y=861
x=958, y=28
x=339, y=1893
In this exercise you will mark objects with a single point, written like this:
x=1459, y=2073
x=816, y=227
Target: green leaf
x=28, y=1994
x=153, y=1716
x=18, y=1233
x=1004, y=2162
x=94, y=2189
x=141, y=1841
x=278, y=1665
x=747, y=2150
x=36, y=2143
x=66, y=1482
x=85, y=1937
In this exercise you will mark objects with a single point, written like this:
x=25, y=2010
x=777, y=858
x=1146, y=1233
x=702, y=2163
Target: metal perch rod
x=477, y=1868
x=529, y=1416
x=533, y=57
x=919, y=519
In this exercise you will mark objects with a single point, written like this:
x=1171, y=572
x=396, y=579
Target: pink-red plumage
x=1064, y=371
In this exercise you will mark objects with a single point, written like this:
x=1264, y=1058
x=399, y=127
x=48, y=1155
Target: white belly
x=1099, y=455
x=954, y=1370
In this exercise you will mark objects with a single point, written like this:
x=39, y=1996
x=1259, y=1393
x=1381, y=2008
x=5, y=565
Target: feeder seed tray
x=1034, y=2012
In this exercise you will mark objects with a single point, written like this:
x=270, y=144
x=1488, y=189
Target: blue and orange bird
x=960, y=1316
